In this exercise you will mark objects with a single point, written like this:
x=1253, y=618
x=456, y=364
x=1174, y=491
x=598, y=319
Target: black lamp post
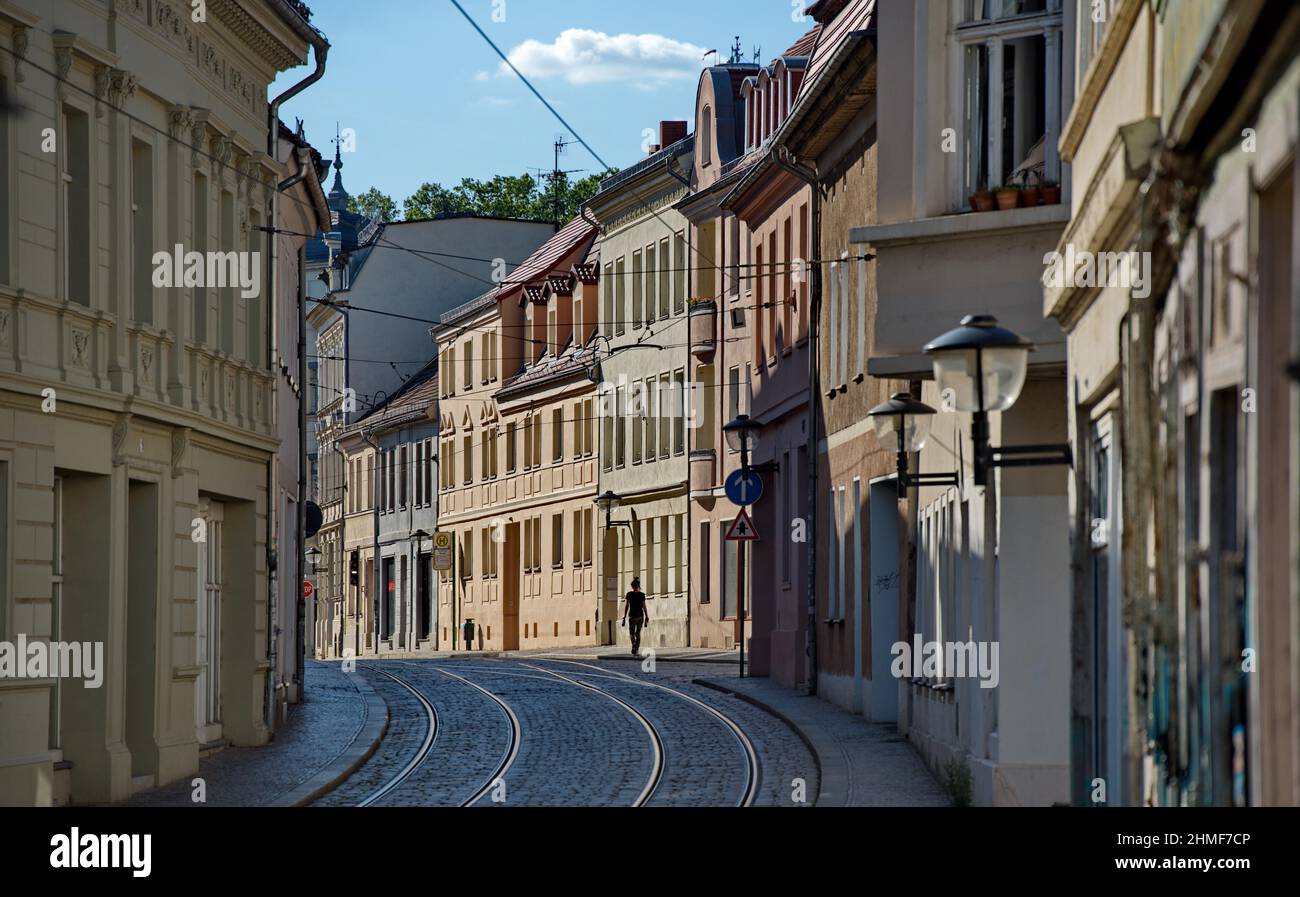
x=910, y=421
x=742, y=435
x=981, y=367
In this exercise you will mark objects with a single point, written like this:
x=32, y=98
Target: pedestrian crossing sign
x=742, y=529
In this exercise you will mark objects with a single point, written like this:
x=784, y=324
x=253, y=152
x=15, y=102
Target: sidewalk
x=602, y=652
x=861, y=763
x=324, y=739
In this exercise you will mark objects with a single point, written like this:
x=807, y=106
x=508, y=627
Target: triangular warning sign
x=742, y=529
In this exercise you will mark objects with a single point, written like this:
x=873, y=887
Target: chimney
x=670, y=132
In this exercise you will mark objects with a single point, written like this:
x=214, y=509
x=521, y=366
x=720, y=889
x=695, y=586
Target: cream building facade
x=517, y=479
x=644, y=340
x=138, y=423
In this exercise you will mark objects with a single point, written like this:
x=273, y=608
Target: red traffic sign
x=742, y=529
x=307, y=590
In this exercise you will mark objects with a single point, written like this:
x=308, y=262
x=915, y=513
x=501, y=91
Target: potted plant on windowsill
x=981, y=201
x=1051, y=193
x=1030, y=188
x=1008, y=196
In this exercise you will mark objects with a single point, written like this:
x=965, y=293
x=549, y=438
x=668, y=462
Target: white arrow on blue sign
x=744, y=487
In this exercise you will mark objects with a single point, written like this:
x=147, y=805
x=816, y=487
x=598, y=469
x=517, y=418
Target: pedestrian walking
x=635, y=614
x=468, y=632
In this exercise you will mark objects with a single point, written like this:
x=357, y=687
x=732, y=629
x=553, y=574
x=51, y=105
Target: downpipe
x=786, y=162
x=320, y=51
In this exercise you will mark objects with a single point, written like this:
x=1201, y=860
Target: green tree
x=374, y=205
x=505, y=196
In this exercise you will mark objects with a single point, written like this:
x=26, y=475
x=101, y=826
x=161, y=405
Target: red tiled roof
x=857, y=15
x=541, y=264
x=804, y=45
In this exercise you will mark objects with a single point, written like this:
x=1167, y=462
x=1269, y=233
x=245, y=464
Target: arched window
x=706, y=136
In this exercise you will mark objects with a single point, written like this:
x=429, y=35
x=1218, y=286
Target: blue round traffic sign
x=744, y=487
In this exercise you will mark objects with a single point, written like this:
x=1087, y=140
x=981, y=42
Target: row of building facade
x=151, y=497
x=788, y=256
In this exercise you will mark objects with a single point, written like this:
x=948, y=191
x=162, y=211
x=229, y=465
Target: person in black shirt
x=635, y=610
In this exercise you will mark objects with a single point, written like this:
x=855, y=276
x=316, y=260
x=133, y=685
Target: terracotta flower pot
x=1007, y=199
x=1051, y=194
x=1029, y=197
x=981, y=201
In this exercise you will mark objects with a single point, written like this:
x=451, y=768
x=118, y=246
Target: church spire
x=338, y=197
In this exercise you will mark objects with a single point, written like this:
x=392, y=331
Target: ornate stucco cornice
x=256, y=35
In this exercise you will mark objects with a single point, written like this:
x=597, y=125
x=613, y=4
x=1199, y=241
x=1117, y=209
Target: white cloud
x=581, y=56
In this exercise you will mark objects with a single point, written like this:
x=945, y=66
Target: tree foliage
x=374, y=205
x=505, y=196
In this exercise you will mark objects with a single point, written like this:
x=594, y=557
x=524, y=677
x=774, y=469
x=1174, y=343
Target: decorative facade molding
x=21, y=40
x=121, y=87
x=180, y=122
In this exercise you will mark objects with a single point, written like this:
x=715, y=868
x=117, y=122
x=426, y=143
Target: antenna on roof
x=557, y=177
x=737, y=54
x=758, y=55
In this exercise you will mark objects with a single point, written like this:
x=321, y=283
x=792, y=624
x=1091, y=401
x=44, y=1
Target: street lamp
x=981, y=367
x=910, y=422
x=608, y=502
x=314, y=554
x=742, y=436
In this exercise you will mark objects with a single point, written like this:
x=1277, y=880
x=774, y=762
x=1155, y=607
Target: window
x=467, y=556
x=77, y=189
x=557, y=541
x=844, y=320
x=651, y=283
x=705, y=142
x=469, y=364
x=679, y=412
x=679, y=274
x=493, y=435
x=1093, y=19
x=733, y=393
x=760, y=299
x=651, y=418
x=142, y=230
x=577, y=430
x=706, y=558
x=589, y=427
x=227, y=295
x=469, y=459
x=485, y=459
x=621, y=426
x=537, y=439
x=638, y=291
x=637, y=411
x=607, y=287
x=537, y=545
x=665, y=279
x=665, y=409
x=801, y=291
x=1010, y=63
x=552, y=331
x=861, y=373
x=786, y=337
x=774, y=297
x=607, y=426
x=510, y=448
x=620, y=297
x=199, y=230
x=253, y=331
x=557, y=435
x=706, y=407
x=402, y=468
x=588, y=538
x=528, y=443
x=428, y=471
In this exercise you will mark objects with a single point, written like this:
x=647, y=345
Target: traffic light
x=354, y=568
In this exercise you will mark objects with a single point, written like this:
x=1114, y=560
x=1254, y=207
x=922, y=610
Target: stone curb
x=668, y=659
x=353, y=756
x=794, y=727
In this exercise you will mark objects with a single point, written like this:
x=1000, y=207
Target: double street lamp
x=981, y=367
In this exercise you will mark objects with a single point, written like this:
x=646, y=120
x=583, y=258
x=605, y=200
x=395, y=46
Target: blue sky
x=426, y=99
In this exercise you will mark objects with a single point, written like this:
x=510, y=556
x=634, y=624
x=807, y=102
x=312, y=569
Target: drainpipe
x=378, y=597
x=788, y=163
x=320, y=50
